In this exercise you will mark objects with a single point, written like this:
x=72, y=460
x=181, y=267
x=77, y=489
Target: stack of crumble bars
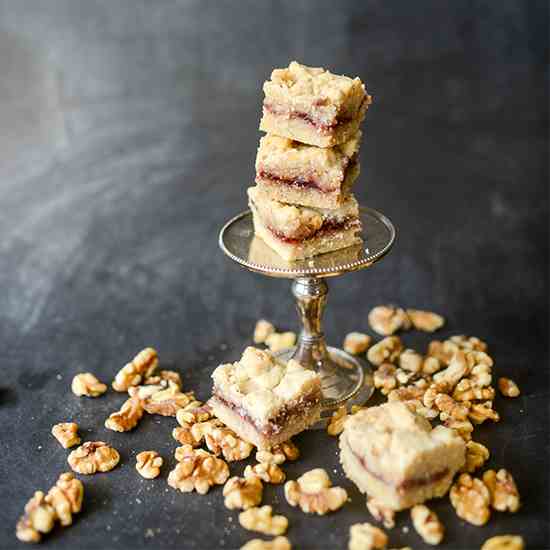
x=302, y=204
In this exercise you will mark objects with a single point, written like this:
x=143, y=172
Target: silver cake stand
x=345, y=379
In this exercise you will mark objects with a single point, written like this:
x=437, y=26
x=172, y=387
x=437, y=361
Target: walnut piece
x=476, y=455
x=480, y=412
x=128, y=417
x=269, y=473
x=263, y=521
x=87, y=384
x=279, y=341
x=411, y=360
x=416, y=406
x=195, y=433
x=243, y=493
x=503, y=490
x=507, y=387
x=464, y=428
x=193, y=413
x=504, y=542
x=468, y=342
x=364, y=536
x=165, y=398
x=470, y=499
x=278, y=543
x=356, y=343
x=164, y=376
x=458, y=367
x=220, y=439
x=426, y=321
x=337, y=421
x=449, y=408
x=92, y=457
x=197, y=470
x=385, y=515
x=66, y=498
x=39, y=518
x=142, y=366
x=314, y=494
x=406, y=393
x=66, y=433
x=262, y=330
x=386, y=320
x=427, y=524
x=433, y=391
x=148, y=464
x=467, y=390
x=279, y=453
x=387, y=350
x=385, y=378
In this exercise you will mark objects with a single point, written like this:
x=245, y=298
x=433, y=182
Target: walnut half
x=66, y=497
x=263, y=521
x=128, y=417
x=470, y=499
x=503, y=490
x=427, y=524
x=313, y=493
x=278, y=543
x=243, y=493
x=87, y=384
x=39, y=519
x=141, y=366
x=67, y=434
x=92, y=457
x=148, y=464
x=364, y=536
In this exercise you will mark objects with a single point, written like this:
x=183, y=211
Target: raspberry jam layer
x=303, y=183
x=329, y=226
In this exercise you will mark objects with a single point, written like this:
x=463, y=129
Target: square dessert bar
x=312, y=105
x=298, y=232
x=264, y=401
x=396, y=457
x=307, y=175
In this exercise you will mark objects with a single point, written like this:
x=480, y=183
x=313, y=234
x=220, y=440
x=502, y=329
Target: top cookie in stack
x=307, y=163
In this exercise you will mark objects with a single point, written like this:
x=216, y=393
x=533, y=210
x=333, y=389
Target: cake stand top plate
x=237, y=240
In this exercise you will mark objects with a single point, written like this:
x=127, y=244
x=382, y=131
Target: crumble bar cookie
x=298, y=232
x=313, y=106
x=265, y=402
x=292, y=172
x=395, y=456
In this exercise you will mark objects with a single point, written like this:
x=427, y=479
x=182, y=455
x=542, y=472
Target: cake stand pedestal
x=345, y=379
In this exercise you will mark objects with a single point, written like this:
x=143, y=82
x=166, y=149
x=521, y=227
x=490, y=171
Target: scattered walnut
x=224, y=440
x=427, y=524
x=279, y=341
x=381, y=513
x=411, y=360
x=128, y=417
x=164, y=399
x=92, y=457
x=468, y=343
x=434, y=390
x=449, y=408
x=406, y=393
x=261, y=520
x=87, y=384
x=385, y=378
x=476, y=455
x=402, y=376
x=262, y=330
x=193, y=413
x=387, y=350
x=269, y=473
x=67, y=434
x=465, y=390
x=278, y=543
x=194, y=434
x=39, y=518
x=142, y=366
x=314, y=494
x=416, y=406
x=470, y=499
x=507, y=387
x=480, y=412
x=66, y=498
x=148, y=464
x=456, y=370
x=442, y=351
x=364, y=536
x=464, y=428
x=279, y=454
x=386, y=320
x=504, y=542
x=242, y=492
x=431, y=365
x=425, y=320
x=480, y=376
x=164, y=376
x=197, y=470
x=356, y=343
x=503, y=490
x=337, y=421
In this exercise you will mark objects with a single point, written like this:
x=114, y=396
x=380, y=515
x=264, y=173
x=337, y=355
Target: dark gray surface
x=128, y=135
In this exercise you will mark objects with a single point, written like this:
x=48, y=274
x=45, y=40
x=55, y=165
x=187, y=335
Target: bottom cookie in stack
x=299, y=232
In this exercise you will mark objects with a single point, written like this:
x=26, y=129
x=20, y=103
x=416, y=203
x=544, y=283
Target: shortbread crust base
x=387, y=495
x=303, y=131
x=247, y=431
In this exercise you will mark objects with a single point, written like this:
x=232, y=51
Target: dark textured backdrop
x=128, y=132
